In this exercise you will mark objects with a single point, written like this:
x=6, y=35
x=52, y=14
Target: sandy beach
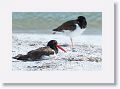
x=87, y=54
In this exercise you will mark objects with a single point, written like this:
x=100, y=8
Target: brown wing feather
x=69, y=25
x=35, y=54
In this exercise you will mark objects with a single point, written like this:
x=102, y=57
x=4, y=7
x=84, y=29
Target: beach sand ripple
x=84, y=56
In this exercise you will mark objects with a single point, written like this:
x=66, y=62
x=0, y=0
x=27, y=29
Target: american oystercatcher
x=72, y=26
x=34, y=55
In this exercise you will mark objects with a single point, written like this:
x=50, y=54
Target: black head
x=54, y=45
x=82, y=22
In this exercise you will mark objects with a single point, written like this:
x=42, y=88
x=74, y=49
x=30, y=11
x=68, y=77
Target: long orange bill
x=58, y=46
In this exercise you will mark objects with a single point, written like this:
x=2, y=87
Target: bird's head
x=54, y=45
x=82, y=22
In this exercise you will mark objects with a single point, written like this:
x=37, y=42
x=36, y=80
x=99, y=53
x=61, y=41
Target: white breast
x=78, y=31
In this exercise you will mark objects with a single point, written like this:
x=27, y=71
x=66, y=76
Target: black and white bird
x=50, y=49
x=72, y=26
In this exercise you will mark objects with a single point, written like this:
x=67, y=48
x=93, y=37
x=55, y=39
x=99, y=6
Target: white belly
x=77, y=32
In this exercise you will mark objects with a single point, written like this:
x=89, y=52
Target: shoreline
x=87, y=56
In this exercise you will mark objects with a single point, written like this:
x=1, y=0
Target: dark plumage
x=71, y=24
x=36, y=54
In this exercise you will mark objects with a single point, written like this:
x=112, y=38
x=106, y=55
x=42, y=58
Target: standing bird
x=72, y=25
x=34, y=55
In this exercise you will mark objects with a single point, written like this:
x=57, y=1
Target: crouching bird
x=34, y=55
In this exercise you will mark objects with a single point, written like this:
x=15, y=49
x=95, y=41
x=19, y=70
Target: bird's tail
x=59, y=29
x=55, y=29
x=21, y=57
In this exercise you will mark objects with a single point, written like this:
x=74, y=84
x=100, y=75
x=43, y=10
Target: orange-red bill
x=58, y=46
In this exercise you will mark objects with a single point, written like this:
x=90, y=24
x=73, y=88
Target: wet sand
x=86, y=56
